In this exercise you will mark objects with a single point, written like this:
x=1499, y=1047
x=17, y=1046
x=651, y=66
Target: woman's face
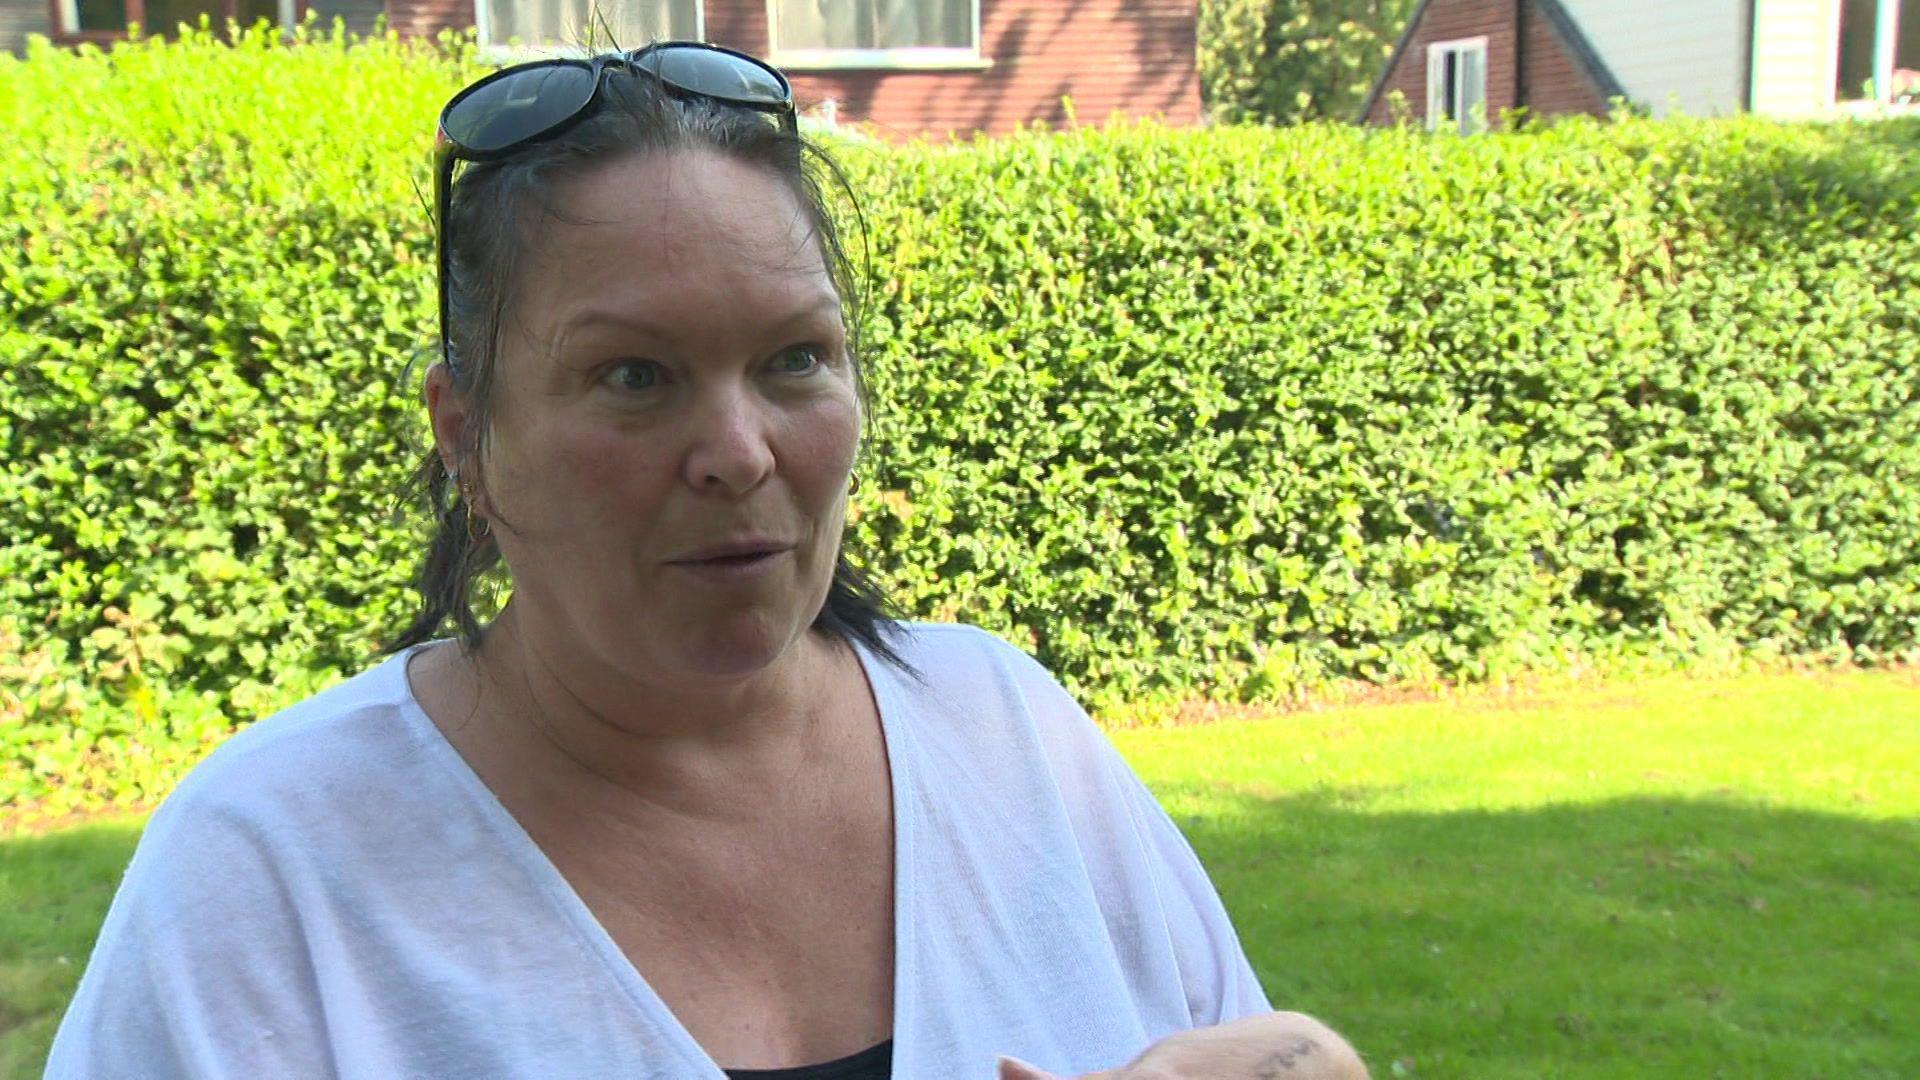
x=675, y=419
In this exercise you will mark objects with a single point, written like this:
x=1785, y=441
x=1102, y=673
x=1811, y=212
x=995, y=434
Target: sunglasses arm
x=443, y=158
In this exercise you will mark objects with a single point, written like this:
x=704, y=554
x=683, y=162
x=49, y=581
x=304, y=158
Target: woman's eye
x=797, y=360
x=634, y=375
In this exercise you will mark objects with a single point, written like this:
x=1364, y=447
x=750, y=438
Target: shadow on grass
x=54, y=890
x=1645, y=937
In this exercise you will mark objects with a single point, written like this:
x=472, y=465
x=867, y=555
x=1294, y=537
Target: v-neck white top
x=334, y=892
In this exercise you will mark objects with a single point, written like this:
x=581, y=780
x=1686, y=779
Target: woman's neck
x=563, y=725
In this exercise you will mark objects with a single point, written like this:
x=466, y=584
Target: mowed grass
x=1664, y=879
x=54, y=890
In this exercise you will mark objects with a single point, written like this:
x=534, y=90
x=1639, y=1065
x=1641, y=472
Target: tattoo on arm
x=1279, y=1064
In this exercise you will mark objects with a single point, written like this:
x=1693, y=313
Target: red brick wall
x=1130, y=56
x=1448, y=20
x=1555, y=82
x=424, y=18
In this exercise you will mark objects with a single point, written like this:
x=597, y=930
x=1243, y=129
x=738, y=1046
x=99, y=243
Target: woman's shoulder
x=310, y=838
x=322, y=782
x=347, y=735
x=961, y=651
x=977, y=687
x=287, y=808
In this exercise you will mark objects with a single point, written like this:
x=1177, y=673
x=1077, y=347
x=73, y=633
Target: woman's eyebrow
x=825, y=308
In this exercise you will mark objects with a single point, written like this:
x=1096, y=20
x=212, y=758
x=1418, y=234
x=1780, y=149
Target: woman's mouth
x=725, y=566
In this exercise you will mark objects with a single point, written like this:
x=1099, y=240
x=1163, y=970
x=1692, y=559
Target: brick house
x=1462, y=62
x=906, y=66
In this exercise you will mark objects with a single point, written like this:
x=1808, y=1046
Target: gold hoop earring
x=853, y=484
x=479, y=533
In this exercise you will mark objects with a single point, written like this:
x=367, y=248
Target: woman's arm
x=1168, y=925
x=200, y=970
x=1277, y=1046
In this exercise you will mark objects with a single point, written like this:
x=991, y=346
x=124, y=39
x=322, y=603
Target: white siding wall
x=1795, y=45
x=1685, y=54
x=18, y=18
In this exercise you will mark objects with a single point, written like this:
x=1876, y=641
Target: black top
x=873, y=1063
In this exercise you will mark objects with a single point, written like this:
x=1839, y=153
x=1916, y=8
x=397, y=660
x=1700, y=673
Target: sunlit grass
x=1663, y=879
x=1673, y=878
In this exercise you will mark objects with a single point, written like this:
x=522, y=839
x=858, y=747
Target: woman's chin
x=735, y=649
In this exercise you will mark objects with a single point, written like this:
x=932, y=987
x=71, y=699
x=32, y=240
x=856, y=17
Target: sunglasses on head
x=526, y=103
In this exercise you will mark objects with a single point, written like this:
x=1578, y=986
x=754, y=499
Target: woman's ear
x=447, y=412
x=1015, y=1069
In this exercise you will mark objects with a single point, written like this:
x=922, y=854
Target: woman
x=691, y=805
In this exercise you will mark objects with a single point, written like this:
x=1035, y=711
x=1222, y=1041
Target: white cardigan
x=335, y=893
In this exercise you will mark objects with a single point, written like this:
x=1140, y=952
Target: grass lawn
x=54, y=890
x=1662, y=879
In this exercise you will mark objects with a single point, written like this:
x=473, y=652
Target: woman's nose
x=731, y=452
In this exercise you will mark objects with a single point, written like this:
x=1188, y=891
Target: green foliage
x=1246, y=410
x=1228, y=413
x=215, y=274
x=1287, y=60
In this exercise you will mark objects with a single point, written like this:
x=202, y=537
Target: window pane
x=631, y=23
x=1450, y=107
x=102, y=14
x=165, y=16
x=248, y=12
x=1473, y=90
x=1855, y=73
x=873, y=24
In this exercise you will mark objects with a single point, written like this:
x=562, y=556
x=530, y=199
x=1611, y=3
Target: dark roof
x=1563, y=24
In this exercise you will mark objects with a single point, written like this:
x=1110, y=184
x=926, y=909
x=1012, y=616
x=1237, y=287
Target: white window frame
x=1437, y=53
x=504, y=54
x=911, y=59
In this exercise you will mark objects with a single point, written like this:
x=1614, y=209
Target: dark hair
x=491, y=206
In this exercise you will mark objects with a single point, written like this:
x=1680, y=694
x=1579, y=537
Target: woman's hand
x=1278, y=1046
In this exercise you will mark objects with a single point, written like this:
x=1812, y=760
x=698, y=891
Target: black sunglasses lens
x=715, y=74
x=518, y=105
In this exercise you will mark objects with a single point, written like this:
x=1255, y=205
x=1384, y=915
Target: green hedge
x=1283, y=61
x=1226, y=413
